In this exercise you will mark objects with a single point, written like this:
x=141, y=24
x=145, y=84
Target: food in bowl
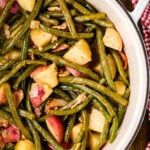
x=64, y=80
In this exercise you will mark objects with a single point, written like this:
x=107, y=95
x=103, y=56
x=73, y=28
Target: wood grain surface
x=143, y=136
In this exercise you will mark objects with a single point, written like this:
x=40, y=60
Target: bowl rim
x=147, y=72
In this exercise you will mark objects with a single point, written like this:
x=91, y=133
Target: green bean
x=69, y=127
x=100, y=98
x=2, y=37
x=79, y=137
x=47, y=136
x=69, y=104
x=120, y=66
x=102, y=81
x=62, y=94
x=68, y=111
x=11, y=42
x=6, y=116
x=7, y=65
x=26, y=114
x=79, y=7
x=23, y=76
x=90, y=27
x=47, y=3
x=48, y=21
x=68, y=17
x=14, y=32
x=24, y=49
x=88, y=6
x=103, y=59
x=36, y=136
x=113, y=130
x=104, y=23
x=85, y=11
x=21, y=112
x=54, y=14
x=59, y=60
x=9, y=146
x=59, y=14
x=14, y=19
x=69, y=88
x=14, y=112
x=121, y=112
x=76, y=146
x=122, y=109
x=66, y=34
x=5, y=12
x=24, y=13
x=3, y=73
x=95, y=16
x=103, y=136
x=100, y=107
x=98, y=87
x=17, y=23
x=28, y=104
x=53, y=4
x=18, y=67
x=85, y=128
x=53, y=45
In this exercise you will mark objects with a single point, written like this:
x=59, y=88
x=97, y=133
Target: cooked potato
x=97, y=121
x=40, y=38
x=75, y=131
x=35, y=24
x=112, y=65
x=27, y=5
x=121, y=88
x=93, y=140
x=46, y=75
x=80, y=53
x=13, y=54
x=112, y=39
x=25, y=145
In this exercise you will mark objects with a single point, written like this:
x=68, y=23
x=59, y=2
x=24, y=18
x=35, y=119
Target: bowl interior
x=137, y=70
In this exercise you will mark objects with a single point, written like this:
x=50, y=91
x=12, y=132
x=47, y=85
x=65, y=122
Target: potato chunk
x=94, y=140
x=97, y=121
x=121, y=88
x=46, y=75
x=27, y=5
x=75, y=131
x=112, y=39
x=40, y=38
x=25, y=145
x=80, y=53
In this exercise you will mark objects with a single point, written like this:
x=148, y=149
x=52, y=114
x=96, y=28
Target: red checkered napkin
x=145, y=20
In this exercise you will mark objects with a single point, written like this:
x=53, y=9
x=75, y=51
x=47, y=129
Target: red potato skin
x=61, y=47
x=125, y=60
x=11, y=134
x=37, y=112
x=36, y=99
x=38, y=70
x=14, y=9
x=57, y=127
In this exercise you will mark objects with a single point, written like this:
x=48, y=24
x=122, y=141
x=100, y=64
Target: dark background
x=143, y=136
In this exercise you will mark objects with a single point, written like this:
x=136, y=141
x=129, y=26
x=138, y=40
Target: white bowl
x=138, y=70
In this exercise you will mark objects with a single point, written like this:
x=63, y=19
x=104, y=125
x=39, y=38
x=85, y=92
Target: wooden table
x=143, y=136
